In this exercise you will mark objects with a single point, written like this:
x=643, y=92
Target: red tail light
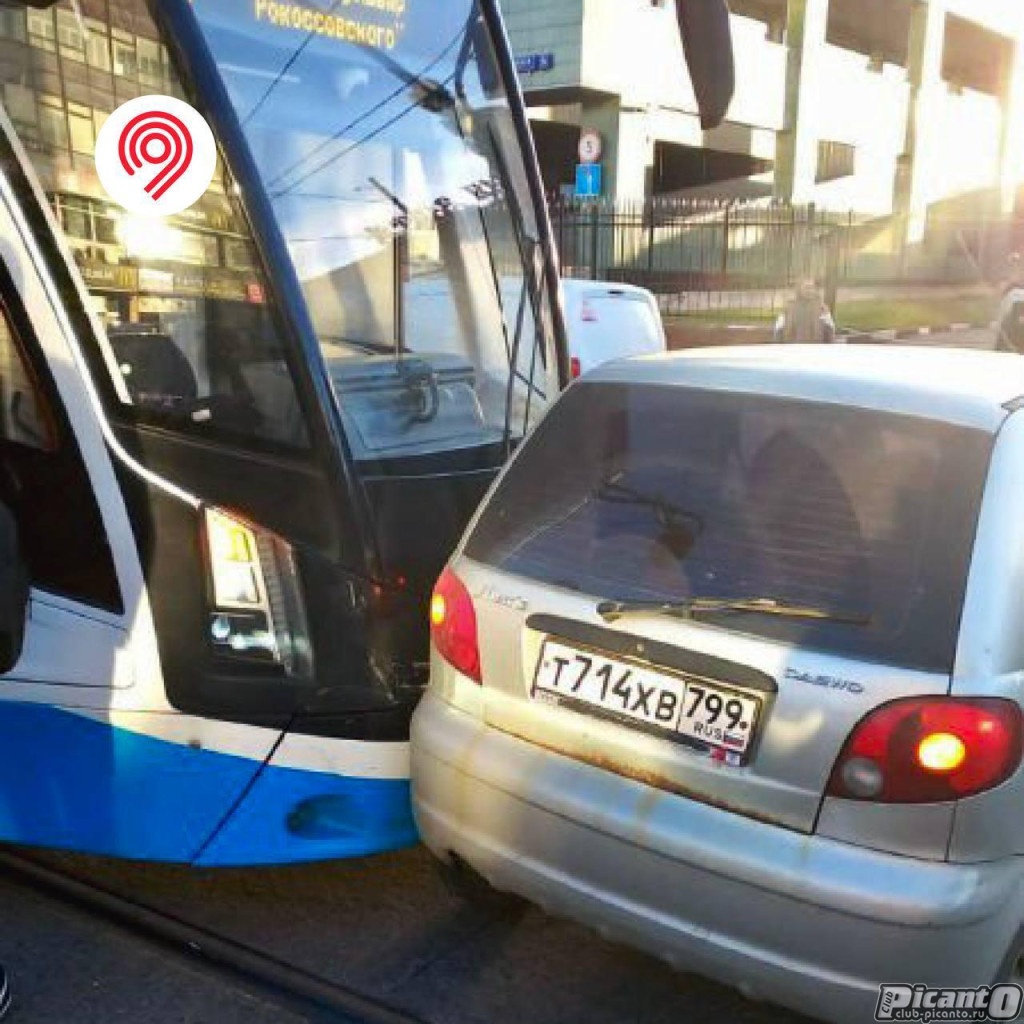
x=575, y=367
x=453, y=625
x=929, y=751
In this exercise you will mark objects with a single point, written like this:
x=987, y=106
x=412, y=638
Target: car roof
x=960, y=386
x=575, y=287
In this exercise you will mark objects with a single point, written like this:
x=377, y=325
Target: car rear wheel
x=1012, y=969
x=468, y=885
x=1017, y=970
x=1003, y=342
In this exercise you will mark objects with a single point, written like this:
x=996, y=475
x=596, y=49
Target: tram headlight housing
x=257, y=610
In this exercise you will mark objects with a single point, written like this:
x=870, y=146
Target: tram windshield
x=386, y=147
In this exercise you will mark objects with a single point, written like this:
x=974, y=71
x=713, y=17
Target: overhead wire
x=364, y=116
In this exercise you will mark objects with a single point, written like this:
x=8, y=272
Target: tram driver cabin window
x=190, y=321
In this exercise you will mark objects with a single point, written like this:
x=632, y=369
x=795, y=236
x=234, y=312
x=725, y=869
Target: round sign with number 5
x=590, y=147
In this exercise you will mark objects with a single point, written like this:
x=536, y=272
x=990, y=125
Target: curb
x=890, y=336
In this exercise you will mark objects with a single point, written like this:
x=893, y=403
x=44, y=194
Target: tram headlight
x=258, y=611
x=234, y=561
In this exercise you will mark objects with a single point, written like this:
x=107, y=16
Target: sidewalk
x=946, y=335
x=696, y=303
x=683, y=336
x=864, y=313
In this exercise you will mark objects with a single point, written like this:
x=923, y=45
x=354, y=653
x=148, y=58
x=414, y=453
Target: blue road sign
x=589, y=179
x=534, y=63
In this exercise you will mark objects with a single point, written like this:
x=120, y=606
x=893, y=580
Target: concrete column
x=635, y=178
x=924, y=74
x=628, y=155
x=1012, y=142
x=796, y=160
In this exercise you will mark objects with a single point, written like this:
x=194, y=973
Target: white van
x=606, y=321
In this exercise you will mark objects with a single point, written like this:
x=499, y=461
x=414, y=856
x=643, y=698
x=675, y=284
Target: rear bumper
x=800, y=920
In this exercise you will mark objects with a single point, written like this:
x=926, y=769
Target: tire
x=469, y=886
x=5, y=993
x=1002, y=342
x=1011, y=970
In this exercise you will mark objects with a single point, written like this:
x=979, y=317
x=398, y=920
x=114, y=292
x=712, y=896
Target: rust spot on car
x=654, y=779
x=648, y=802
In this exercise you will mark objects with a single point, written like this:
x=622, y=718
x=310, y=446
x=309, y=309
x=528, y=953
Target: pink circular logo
x=156, y=156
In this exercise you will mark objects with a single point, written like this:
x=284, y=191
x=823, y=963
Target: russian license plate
x=682, y=706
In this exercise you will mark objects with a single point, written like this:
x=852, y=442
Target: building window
x=97, y=44
x=20, y=103
x=69, y=35
x=12, y=25
x=150, y=66
x=76, y=223
x=835, y=160
x=99, y=119
x=80, y=123
x=42, y=33
x=53, y=125
x=126, y=63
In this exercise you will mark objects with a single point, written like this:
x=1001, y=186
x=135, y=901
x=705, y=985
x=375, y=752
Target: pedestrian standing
x=807, y=320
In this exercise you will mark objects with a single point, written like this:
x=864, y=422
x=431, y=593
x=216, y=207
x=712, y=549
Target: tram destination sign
x=376, y=23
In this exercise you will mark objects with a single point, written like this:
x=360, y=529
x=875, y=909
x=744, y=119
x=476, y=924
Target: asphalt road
x=975, y=337
x=385, y=926
x=67, y=966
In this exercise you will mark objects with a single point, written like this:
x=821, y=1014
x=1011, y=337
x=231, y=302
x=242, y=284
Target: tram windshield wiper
x=426, y=92
x=612, y=611
x=679, y=529
x=531, y=296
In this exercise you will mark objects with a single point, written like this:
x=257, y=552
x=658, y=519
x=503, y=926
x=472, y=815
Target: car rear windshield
x=656, y=493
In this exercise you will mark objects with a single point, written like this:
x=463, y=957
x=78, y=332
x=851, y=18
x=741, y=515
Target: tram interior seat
x=14, y=590
x=156, y=372
x=270, y=383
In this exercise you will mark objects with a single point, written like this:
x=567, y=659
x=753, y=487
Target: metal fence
x=699, y=255
x=702, y=256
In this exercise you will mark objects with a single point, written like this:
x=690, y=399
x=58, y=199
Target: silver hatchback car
x=730, y=666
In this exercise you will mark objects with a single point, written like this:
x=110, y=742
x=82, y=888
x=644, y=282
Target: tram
x=239, y=444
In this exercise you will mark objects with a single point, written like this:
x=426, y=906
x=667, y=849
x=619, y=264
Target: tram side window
x=43, y=480
x=192, y=329
x=24, y=417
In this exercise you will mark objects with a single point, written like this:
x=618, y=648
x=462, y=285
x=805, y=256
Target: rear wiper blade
x=611, y=611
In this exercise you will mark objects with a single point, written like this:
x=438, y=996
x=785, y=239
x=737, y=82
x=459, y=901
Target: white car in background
x=607, y=321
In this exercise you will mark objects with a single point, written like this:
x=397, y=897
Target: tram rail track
x=302, y=990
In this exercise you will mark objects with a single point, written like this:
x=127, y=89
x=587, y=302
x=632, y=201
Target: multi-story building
x=62, y=72
x=878, y=106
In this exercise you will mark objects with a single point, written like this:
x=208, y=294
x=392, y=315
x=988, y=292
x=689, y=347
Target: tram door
x=92, y=756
